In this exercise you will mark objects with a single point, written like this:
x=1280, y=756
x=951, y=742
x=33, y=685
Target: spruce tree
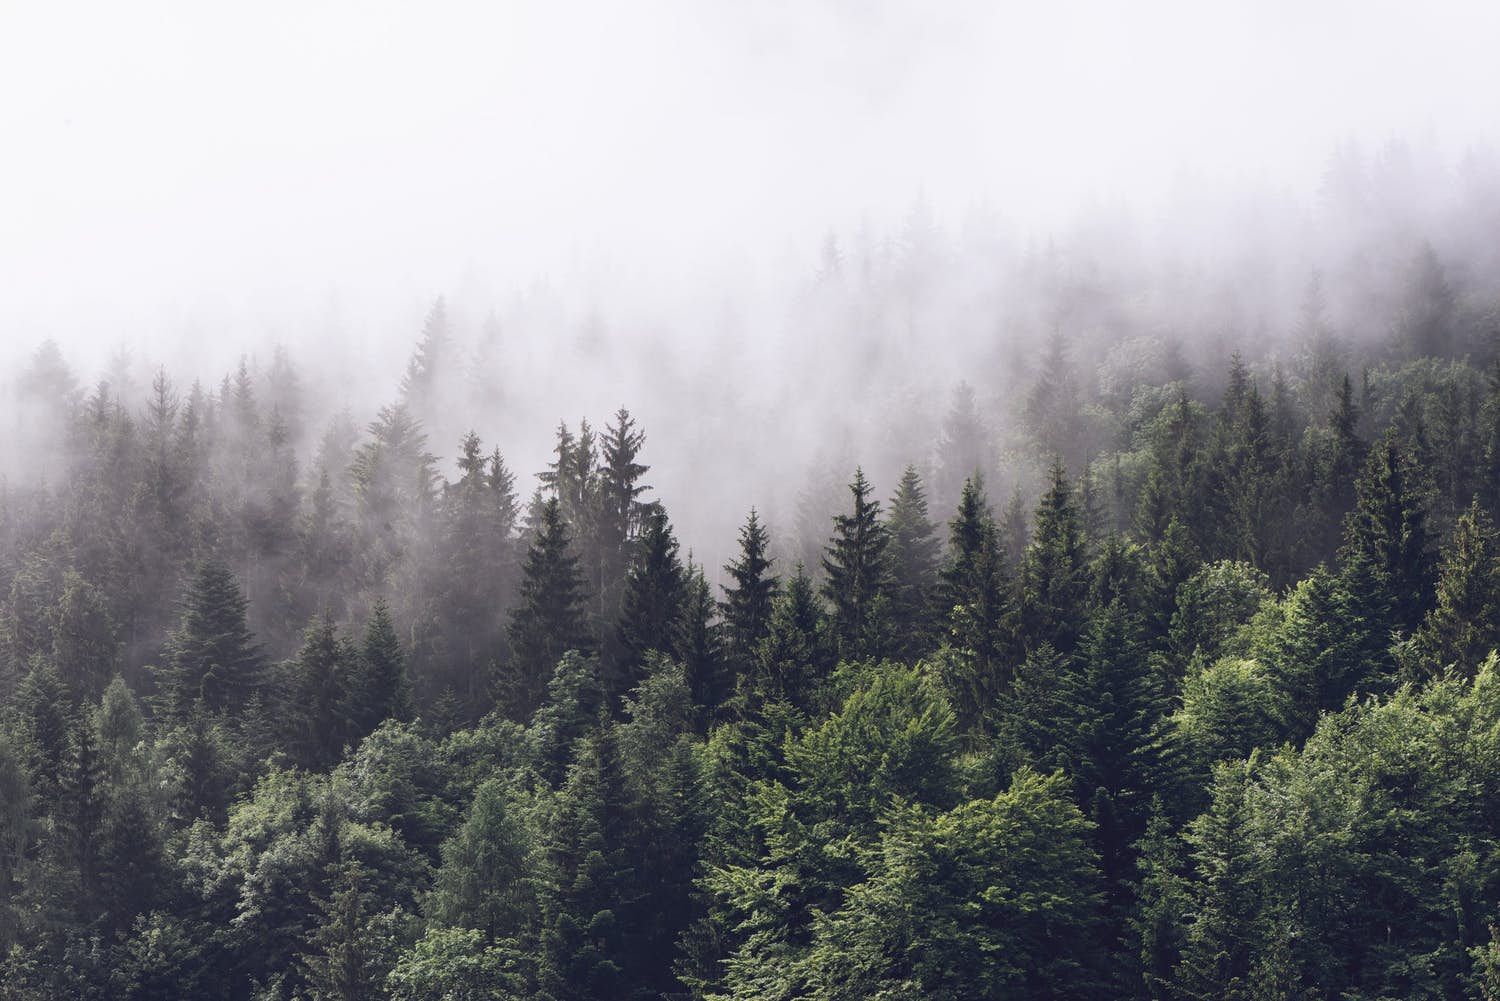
x=977, y=608
x=651, y=612
x=587, y=879
x=382, y=690
x=748, y=599
x=548, y=621
x=858, y=577
x=321, y=681
x=1463, y=627
x=700, y=647
x=797, y=653
x=1384, y=558
x=913, y=555
x=1054, y=573
x=211, y=657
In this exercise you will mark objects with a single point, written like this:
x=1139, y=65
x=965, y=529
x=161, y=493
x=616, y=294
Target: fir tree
x=382, y=690
x=858, y=576
x=1463, y=627
x=651, y=612
x=747, y=601
x=913, y=554
x=211, y=657
x=548, y=621
x=1384, y=557
x=1054, y=573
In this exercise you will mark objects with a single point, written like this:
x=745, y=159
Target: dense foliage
x=1215, y=715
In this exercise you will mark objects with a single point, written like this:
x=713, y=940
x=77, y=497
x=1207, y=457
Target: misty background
x=782, y=234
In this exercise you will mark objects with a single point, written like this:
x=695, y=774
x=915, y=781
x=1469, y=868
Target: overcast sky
x=240, y=159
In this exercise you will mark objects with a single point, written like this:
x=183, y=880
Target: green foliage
x=858, y=573
x=548, y=621
x=212, y=657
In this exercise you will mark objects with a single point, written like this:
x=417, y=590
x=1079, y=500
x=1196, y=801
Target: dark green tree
x=651, y=611
x=548, y=621
x=211, y=657
x=858, y=581
x=1054, y=573
x=748, y=598
x=913, y=555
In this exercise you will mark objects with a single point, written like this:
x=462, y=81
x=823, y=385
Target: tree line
x=1209, y=706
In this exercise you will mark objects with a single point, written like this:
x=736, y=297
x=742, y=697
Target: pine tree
x=622, y=515
x=963, y=449
x=419, y=385
x=84, y=644
x=381, y=690
x=747, y=601
x=587, y=879
x=341, y=963
x=1054, y=573
x=700, y=647
x=485, y=881
x=651, y=612
x=978, y=608
x=322, y=679
x=41, y=708
x=1463, y=626
x=1220, y=940
x=797, y=654
x=212, y=656
x=913, y=554
x=1384, y=558
x=858, y=576
x=17, y=833
x=548, y=621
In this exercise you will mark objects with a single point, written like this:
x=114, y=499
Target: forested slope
x=1210, y=709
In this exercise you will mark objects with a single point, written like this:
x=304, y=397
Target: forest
x=1179, y=683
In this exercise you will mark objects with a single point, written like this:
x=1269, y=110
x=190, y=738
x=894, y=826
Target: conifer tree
x=700, y=647
x=84, y=644
x=621, y=513
x=211, y=657
x=858, y=576
x=748, y=599
x=587, y=879
x=548, y=621
x=651, y=612
x=42, y=711
x=382, y=690
x=797, y=653
x=913, y=555
x=423, y=371
x=1054, y=573
x=322, y=679
x=486, y=881
x=978, y=608
x=1384, y=558
x=1463, y=627
x=342, y=962
x=1218, y=952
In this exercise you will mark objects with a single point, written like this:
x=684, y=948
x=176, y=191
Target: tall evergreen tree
x=1054, y=573
x=211, y=657
x=587, y=879
x=748, y=599
x=1384, y=558
x=381, y=690
x=978, y=608
x=548, y=621
x=913, y=555
x=858, y=576
x=651, y=612
x=1463, y=627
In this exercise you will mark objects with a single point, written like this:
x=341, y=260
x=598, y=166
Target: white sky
x=163, y=159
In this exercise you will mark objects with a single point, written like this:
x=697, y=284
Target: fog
x=779, y=233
